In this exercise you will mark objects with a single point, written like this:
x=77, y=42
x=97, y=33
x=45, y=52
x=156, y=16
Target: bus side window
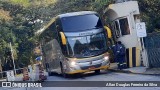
x=59, y=29
x=53, y=31
x=49, y=34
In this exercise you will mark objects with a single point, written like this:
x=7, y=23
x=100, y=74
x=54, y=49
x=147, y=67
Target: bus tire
x=62, y=72
x=97, y=71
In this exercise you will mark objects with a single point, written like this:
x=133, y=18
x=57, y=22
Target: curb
x=130, y=72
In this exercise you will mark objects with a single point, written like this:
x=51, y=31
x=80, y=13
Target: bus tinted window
x=87, y=46
x=80, y=23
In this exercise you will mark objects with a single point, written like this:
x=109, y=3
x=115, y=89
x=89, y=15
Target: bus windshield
x=81, y=22
x=86, y=46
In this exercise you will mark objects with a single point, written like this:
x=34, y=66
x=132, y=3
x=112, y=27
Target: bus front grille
x=87, y=67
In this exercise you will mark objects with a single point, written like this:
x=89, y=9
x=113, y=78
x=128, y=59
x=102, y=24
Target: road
x=104, y=76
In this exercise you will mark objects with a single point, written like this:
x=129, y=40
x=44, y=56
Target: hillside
x=19, y=19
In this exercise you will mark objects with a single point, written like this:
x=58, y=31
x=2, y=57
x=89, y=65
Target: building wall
x=130, y=10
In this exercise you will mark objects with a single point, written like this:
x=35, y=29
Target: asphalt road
x=104, y=76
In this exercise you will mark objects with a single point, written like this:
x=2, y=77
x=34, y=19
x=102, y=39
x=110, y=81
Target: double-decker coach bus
x=75, y=43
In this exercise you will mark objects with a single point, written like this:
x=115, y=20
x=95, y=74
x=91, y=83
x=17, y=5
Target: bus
x=74, y=43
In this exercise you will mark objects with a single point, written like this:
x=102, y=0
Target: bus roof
x=61, y=16
x=76, y=14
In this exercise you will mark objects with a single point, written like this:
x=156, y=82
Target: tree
x=150, y=14
x=20, y=19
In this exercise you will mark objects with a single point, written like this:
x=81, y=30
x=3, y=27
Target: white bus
x=75, y=43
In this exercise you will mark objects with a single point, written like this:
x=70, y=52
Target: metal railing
x=152, y=45
x=3, y=74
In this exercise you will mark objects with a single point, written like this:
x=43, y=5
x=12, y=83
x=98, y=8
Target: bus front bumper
x=87, y=70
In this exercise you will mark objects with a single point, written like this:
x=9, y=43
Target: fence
x=3, y=74
x=152, y=45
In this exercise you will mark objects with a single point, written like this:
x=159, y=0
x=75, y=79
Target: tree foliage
x=20, y=19
x=150, y=14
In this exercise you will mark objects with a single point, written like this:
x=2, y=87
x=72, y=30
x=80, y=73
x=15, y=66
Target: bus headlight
x=73, y=63
x=106, y=58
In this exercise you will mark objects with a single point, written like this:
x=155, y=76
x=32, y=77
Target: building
x=123, y=17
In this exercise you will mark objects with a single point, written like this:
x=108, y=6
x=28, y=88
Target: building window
x=121, y=27
x=124, y=26
x=115, y=27
x=117, y=31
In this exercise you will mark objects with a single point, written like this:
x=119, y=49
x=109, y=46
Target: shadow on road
x=82, y=75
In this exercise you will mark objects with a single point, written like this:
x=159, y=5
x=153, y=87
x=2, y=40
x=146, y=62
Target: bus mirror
x=108, y=31
x=63, y=38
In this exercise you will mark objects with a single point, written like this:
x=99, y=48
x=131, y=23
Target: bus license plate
x=91, y=68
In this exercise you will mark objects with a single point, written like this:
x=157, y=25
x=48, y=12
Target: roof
x=114, y=11
x=64, y=15
x=76, y=13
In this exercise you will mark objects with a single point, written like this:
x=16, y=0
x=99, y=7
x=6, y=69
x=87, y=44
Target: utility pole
x=12, y=58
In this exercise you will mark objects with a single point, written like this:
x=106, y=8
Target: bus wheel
x=97, y=71
x=63, y=73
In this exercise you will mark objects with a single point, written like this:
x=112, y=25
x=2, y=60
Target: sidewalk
x=19, y=77
x=136, y=70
